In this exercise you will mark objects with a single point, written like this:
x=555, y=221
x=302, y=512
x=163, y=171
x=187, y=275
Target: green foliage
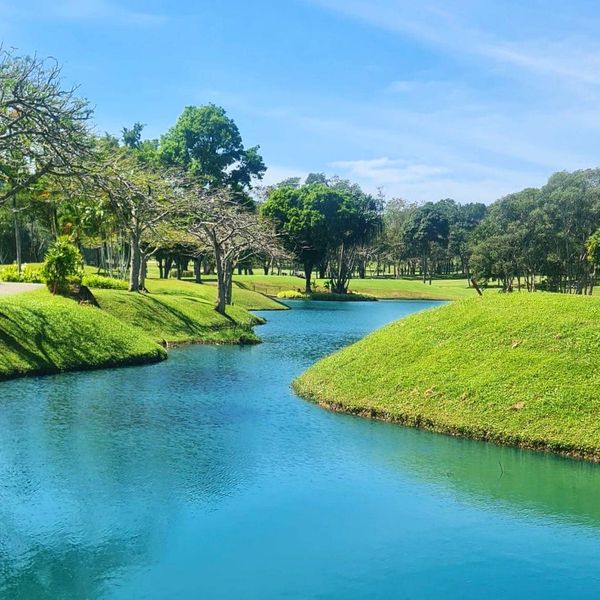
x=208, y=145
x=520, y=369
x=40, y=333
x=326, y=296
x=293, y=295
x=63, y=265
x=104, y=283
x=593, y=249
x=28, y=274
x=324, y=220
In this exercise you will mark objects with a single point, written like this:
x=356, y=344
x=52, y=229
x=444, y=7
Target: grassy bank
x=183, y=312
x=520, y=369
x=40, y=333
x=408, y=289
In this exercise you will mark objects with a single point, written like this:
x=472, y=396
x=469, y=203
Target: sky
x=466, y=99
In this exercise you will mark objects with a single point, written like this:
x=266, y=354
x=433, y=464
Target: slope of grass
x=521, y=369
x=175, y=318
x=40, y=333
x=409, y=289
x=243, y=297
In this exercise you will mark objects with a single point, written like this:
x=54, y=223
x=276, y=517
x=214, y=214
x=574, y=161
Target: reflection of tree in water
x=520, y=480
x=94, y=471
x=68, y=570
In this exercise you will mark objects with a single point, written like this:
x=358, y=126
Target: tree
x=207, y=145
x=300, y=216
x=593, y=255
x=235, y=234
x=140, y=200
x=427, y=230
x=43, y=128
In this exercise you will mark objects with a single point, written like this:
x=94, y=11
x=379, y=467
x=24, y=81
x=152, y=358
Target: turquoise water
x=205, y=477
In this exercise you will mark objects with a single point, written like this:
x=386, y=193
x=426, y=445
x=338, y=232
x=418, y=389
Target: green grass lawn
x=410, y=289
x=40, y=333
x=520, y=369
x=176, y=318
x=182, y=311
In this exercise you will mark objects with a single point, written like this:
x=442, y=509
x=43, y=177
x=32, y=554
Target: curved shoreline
x=521, y=371
x=427, y=424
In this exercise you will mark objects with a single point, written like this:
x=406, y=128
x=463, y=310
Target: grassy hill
x=520, y=369
x=40, y=333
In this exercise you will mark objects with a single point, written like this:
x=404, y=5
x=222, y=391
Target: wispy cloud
x=569, y=56
x=105, y=11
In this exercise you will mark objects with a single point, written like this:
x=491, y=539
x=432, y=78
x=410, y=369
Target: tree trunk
x=17, y=226
x=308, y=268
x=135, y=264
x=143, y=273
x=229, y=284
x=197, y=275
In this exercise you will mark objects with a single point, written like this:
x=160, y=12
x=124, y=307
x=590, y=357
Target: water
x=205, y=477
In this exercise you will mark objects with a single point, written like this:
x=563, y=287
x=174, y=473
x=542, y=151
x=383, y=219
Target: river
x=205, y=477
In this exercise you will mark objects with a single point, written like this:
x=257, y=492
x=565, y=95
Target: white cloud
x=385, y=171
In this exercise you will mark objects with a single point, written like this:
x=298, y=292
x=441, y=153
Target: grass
x=183, y=312
x=40, y=333
x=408, y=289
x=176, y=318
x=519, y=369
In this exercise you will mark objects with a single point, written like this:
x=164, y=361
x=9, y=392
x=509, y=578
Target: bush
x=349, y=297
x=10, y=273
x=293, y=295
x=104, y=283
x=63, y=266
x=27, y=275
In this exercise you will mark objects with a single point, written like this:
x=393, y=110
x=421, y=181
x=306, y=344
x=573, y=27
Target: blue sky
x=429, y=99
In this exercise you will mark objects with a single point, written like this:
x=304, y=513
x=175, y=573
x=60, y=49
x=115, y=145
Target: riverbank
x=520, y=369
x=41, y=333
x=384, y=289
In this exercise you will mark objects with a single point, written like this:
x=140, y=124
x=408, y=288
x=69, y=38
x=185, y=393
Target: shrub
x=27, y=275
x=349, y=297
x=104, y=283
x=10, y=273
x=293, y=295
x=63, y=266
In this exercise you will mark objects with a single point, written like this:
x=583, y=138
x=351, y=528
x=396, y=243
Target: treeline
x=533, y=239
x=193, y=196
x=185, y=196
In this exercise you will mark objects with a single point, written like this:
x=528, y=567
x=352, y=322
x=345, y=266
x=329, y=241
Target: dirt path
x=7, y=289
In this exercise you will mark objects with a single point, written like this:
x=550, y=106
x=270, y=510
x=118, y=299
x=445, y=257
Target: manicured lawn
x=521, y=369
x=173, y=317
x=40, y=333
x=410, y=289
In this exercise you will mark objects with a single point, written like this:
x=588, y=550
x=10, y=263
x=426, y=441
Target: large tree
x=208, y=146
x=43, y=129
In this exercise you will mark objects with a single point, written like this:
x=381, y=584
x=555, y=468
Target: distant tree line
x=192, y=197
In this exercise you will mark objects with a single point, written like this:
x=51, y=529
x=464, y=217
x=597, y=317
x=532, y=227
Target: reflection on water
x=204, y=476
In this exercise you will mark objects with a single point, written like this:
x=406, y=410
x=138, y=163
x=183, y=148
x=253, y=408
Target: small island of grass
x=517, y=369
